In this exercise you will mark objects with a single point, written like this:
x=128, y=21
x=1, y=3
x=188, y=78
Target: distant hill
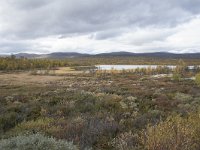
x=116, y=54
x=156, y=54
x=26, y=55
x=3, y=55
x=62, y=55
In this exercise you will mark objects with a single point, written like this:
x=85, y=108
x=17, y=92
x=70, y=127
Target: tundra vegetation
x=66, y=104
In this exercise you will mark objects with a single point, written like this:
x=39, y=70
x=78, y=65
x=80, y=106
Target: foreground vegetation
x=123, y=110
x=35, y=142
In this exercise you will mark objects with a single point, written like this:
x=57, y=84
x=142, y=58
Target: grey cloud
x=103, y=19
x=21, y=47
x=74, y=16
x=12, y=47
x=150, y=37
x=28, y=4
x=103, y=35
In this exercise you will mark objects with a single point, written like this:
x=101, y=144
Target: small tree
x=181, y=67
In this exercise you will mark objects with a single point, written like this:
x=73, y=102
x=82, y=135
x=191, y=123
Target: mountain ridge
x=62, y=55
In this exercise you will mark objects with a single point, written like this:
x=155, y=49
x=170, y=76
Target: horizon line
x=9, y=54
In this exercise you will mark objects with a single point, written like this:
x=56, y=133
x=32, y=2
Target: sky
x=97, y=26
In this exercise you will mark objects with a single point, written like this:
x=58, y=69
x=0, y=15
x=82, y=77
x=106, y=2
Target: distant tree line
x=13, y=63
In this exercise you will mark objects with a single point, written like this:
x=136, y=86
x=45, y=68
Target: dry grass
x=26, y=79
x=66, y=70
x=57, y=72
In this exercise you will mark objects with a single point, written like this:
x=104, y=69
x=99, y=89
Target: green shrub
x=176, y=77
x=35, y=142
x=197, y=79
x=38, y=125
x=8, y=121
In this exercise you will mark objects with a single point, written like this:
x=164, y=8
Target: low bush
x=125, y=141
x=38, y=125
x=197, y=79
x=8, y=121
x=35, y=142
x=176, y=77
x=175, y=133
x=184, y=98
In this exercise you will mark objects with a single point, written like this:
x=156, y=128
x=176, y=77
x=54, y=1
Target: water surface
x=129, y=67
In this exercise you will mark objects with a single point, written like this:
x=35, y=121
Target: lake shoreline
x=133, y=67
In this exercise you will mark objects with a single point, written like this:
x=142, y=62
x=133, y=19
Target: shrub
x=8, y=121
x=34, y=112
x=35, y=142
x=125, y=141
x=96, y=131
x=85, y=102
x=183, y=97
x=38, y=125
x=175, y=133
x=176, y=76
x=129, y=102
x=197, y=79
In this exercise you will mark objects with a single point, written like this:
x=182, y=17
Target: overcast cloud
x=95, y=26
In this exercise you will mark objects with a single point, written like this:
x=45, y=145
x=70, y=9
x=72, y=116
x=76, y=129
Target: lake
x=129, y=67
